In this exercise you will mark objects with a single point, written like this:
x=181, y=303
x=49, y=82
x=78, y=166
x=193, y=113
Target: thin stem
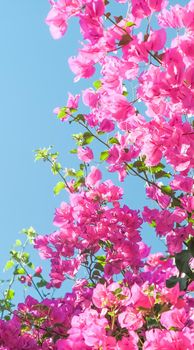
x=34, y=284
x=116, y=25
x=60, y=174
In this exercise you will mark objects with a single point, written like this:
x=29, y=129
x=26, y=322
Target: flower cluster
x=140, y=110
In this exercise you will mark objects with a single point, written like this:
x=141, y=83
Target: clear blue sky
x=34, y=78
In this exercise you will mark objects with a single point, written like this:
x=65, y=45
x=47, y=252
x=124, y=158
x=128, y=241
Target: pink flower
x=85, y=154
x=130, y=319
x=176, y=318
x=81, y=67
x=38, y=271
x=94, y=177
x=90, y=98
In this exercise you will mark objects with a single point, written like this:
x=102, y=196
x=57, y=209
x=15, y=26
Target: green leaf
x=130, y=24
x=166, y=190
x=99, y=266
x=79, y=117
x=104, y=155
x=191, y=246
x=73, y=151
x=18, y=243
x=62, y=113
x=56, y=167
x=87, y=138
x=72, y=110
x=97, y=84
x=95, y=274
x=79, y=173
x=19, y=271
x=176, y=202
x=31, y=265
x=113, y=140
x=101, y=258
x=182, y=261
x=162, y=173
x=70, y=172
x=153, y=223
x=29, y=232
x=155, y=169
x=171, y=282
x=79, y=183
x=117, y=291
x=9, y=294
x=183, y=282
x=25, y=257
x=42, y=153
x=140, y=165
x=9, y=264
x=59, y=187
x=41, y=283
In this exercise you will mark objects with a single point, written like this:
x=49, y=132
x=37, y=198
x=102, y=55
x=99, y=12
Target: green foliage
x=9, y=294
x=9, y=264
x=167, y=190
x=130, y=24
x=113, y=140
x=59, y=187
x=83, y=139
x=97, y=84
x=56, y=167
x=104, y=155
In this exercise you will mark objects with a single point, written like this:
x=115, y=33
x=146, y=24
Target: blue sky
x=35, y=78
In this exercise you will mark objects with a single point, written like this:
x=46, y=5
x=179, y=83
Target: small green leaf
x=99, y=266
x=130, y=24
x=155, y=169
x=79, y=173
x=162, y=173
x=182, y=261
x=153, y=223
x=101, y=258
x=9, y=294
x=18, y=243
x=104, y=155
x=42, y=153
x=9, y=264
x=29, y=232
x=166, y=190
x=31, y=265
x=59, y=187
x=176, y=202
x=190, y=244
x=113, y=140
x=41, y=283
x=79, y=117
x=117, y=291
x=79, y=183
x=171, y=282
x=62, y=113
x=72, y=110
x=19, y=271
x=87, y=138
x=97, y=84
x=56, y=167
x=73, y=151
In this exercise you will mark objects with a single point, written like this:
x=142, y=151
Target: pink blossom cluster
x=141, y=110
x=92, y=218
x=125, y=315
